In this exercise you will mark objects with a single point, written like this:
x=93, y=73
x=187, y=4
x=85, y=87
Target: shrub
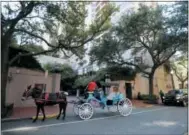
x=139, y=96
x=147, y=97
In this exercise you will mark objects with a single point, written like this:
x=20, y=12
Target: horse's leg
x=37, y=113
x=43, y=111
x=64, y=106
x=60, y=110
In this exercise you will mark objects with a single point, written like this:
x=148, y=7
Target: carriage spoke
x=125, y=107
x=85, y=111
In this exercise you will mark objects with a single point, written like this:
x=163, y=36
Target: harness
x=46, y=98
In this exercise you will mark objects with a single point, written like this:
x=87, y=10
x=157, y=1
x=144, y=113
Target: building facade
x=20, y=78
x=162, y=81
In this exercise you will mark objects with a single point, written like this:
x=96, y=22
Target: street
x=157, y=120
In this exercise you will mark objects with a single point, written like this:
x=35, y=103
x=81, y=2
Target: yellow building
x=162, y=81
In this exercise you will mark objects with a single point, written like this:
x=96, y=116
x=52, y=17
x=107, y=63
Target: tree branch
x=30, y=54
x=34, y=35
x=22, y=14
x=137, y=66
x=168, y=57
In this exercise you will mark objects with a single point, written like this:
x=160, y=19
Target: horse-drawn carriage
x=84, y=108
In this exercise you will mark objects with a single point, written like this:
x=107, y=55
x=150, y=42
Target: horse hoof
x=34, y=121
x=43, y=120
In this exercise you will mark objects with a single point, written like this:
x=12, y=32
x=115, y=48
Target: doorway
x=128, y=90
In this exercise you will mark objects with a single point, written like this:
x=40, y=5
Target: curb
x=51, y=116
x=14, y=119
x=47, y=116
x=149, y=106
x=28, y=118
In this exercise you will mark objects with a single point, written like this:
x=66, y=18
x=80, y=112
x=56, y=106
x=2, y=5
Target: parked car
x=178, y=96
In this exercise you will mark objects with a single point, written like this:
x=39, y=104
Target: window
x=41, y=86
x=173, y=92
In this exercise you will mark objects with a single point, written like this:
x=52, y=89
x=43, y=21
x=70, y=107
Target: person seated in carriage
x=112, y=95
x=98, y=92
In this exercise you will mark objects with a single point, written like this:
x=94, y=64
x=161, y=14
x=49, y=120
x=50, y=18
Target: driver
x=91, y=87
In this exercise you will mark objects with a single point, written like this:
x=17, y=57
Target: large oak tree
x=30, y=21
x=153, y=32
x=180, y=69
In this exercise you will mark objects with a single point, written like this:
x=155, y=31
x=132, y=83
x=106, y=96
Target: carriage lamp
x=107, y=81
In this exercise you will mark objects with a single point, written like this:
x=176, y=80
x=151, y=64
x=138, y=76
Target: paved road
x=158, y=120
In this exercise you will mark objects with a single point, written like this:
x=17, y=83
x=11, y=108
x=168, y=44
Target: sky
x=123, y=7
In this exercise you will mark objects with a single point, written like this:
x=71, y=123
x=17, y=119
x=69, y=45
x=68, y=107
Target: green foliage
x=68, y=75
x=30, y=48
x=25, y=62
x=82, y=81
x=64, y=22
x=148, y=97
x=147, y=31
x=124, y=73
x=180, y=68
x=65, y=70
x=33, y=48
x=178, y=22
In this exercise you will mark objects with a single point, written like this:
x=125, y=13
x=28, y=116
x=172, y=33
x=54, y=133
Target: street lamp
x=107, y=81
x=172, y=79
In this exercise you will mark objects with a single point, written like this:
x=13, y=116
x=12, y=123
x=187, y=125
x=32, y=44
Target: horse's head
x=27, y=93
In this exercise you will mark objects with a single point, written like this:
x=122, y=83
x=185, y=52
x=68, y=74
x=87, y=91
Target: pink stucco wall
x=21, y=78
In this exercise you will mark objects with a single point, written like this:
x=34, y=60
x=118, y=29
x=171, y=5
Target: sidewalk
x=29, y=112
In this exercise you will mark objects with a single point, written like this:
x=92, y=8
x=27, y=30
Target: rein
x=40, y=98
x=46, y=100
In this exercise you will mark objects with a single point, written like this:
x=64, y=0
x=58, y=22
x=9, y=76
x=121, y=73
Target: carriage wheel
x=76, y=108
x=112, y=108
x=85, y=111
x=125, y=107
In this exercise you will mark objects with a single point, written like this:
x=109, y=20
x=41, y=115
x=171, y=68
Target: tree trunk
x=151, y=82
x=4, y=71
x=182, y=85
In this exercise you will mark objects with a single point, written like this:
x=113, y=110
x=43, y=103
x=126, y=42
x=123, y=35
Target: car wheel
x=165, y=103
x=184, y=103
